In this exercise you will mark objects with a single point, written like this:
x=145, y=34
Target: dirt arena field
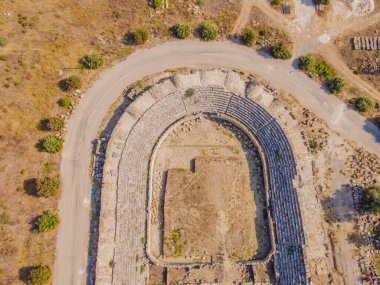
x=208, y=201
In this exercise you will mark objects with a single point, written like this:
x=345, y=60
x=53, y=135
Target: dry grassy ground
x=42, y=49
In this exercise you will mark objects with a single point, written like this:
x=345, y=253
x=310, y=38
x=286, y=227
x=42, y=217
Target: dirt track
x=83, y=126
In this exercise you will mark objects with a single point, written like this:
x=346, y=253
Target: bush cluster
x=208, y=32
x=371, y=199
x=40, y=275
x=4, y=218
x=336, y=85
x=364, y=104
x=140, y=36
x=281, y=51
x=313, y=65
x=182, y=31
x=52, y=144
x=47, y=187
x=55, y=124
x=47, y=222
x=64, y=103
x=248, y=37
x=93, y=60
x=73, y=82
x=156, y=4
x=3, y=42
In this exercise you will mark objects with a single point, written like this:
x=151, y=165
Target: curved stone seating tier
x=130, y=163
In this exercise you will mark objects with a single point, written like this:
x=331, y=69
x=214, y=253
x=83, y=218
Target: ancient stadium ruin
x=124, y=244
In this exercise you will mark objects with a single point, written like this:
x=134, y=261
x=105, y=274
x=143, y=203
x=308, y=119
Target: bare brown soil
x=212, y=209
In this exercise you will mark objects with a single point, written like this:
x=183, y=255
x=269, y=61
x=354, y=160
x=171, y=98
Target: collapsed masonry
x=366, y=43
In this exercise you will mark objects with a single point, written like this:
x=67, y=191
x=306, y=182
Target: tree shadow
x=43, y=125
x=23, y=273
x=40, y=145
x=371, y=128
x=29, y=186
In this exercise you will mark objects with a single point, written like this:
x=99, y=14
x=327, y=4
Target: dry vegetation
x=44, y=42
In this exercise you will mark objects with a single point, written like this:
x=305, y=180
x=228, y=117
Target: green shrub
x=182, y=31
x=313, y=144
x=3, y=57
x=117, y=14
x=371, y=199
x=73, y=82
x=208, y=32
x=248, y=37
x=4, y=218
x=40, y=275
x=141, y=36
x=3, y=42
x=52, y=144
x=264, y=32
x=156, y=4
x=281, y=51
x=276, y=2
x=64, y=103
x=323, y=70
x=364, y=104
x=93, y=60
x=47, y=187
x=336, y=85
x=189, y=92
x=23, y=21
x=307, y=63
x=322, y=2
x=47, y=222
x=55, y=124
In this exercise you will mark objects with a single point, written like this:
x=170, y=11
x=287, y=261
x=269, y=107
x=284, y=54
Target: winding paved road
x=74, y=205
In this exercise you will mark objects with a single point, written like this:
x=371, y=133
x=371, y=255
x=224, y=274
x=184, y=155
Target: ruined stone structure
x=366, y=43
x=295, y=211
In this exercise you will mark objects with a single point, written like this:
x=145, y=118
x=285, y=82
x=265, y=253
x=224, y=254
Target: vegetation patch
x=182, y=31
x=47, y=187
x=336, y=85
x=208, y=32
x=47, y=222
x=52, y=144
x=281, y=51
x=249, y=37
x=40, y=275
x=189, y=92
x=140, y=36
x=362, y=104
x=93, y=60
x=55, y=124
x=72, y=83
x=371, y=199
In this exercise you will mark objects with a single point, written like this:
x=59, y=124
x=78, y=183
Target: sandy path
x=243, y=18
x=84, y=123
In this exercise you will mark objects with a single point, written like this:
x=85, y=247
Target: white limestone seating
x=125, y=199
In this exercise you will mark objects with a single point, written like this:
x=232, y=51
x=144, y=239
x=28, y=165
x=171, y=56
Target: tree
x=307, y=63
x=323, y=70
x=281, y=51
x=73, y=82
x=322, y=2
x=40, y=275
x=182, y=31
x=189, y=92
x=141, y=36
x=47, y=187
x=364, y=104
x=208, y=32
x=371, y=199
x=93, y=60
x=313, y=144
x=55, y=124
x=336, y=85
x=47, y=222
x=248, y=37
x=156, y=4
x=64, y=103
x=52, y=144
